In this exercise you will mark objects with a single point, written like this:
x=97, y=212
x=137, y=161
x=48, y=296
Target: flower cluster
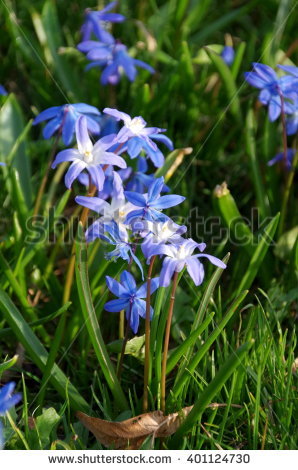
x=130, y=204
x=105, y=51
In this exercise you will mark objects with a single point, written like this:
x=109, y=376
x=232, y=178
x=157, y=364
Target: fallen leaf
x=131, y=433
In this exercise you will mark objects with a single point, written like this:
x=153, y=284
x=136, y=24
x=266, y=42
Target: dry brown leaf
x=131, y=433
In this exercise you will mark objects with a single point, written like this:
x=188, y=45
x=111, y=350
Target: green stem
x=166, y=344
x=147, y=337
x=286, y=195
x=71, y=265
x=120, y=364
x=44, y=180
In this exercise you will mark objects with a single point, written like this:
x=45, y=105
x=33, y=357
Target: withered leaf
x=131, y=433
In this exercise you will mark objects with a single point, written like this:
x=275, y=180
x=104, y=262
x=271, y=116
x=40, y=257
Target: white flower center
x=182, y=252
x=136, y=125
x=88, y=156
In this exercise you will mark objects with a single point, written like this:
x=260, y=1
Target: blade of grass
x=229, y=83
x=195, y=360
x=259, y=254
x=188, y=343
x=38, y=353
x=261, y=196
x=225, y=371
x=92, y=323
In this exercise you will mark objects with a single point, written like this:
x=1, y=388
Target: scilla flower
x=181, y=255
x=95, y=22
x=136, y=145
x=151, y=204
x=110, y=232
x=272, y=89
x=228, y=55
x=162, y=233
x=88, y=156
x=116, y=210
x=130, y=298
x=7, y=401
x=63, y=119
x=133, y=127
x=3, y=91
x=280, y=158
x=139, y=182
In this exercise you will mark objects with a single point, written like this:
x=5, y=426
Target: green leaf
x=48, y=31
x=8, y=364
x=92, y=325
x=205, y=398
x=286, y=243
x=13, y=149
x=38, y=353
x=44, y=425
x=229, y=82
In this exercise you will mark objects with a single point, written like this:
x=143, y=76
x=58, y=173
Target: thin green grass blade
x=38, y=353
x=225, y=371
x=259, y=254
x=188, y=343
x=238, y=59
x=229, y=83
x=203, y=307
x=92, y=323
x=261, y=196
x=188, y=369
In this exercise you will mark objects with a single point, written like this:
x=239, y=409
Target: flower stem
x=120, y=363
x=286, y=195
x=44, y=180
x=71, y=264
x=147, y=337
x=166, y=343
x=284, y=129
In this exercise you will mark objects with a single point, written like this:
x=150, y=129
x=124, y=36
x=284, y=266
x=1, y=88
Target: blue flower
x=280, y=157
x=228, y=55
x=96, y=51
x=88, y=156
x=139, y=182
x=291, y=69
x=136, y=145
x=180, y=255
x=7, y=401
x=95, y=22
x=151, y=204
x=112, y=212
x=3, y=91
x=292, y=120
x=136, y=127
x=272, y=89
x=63, y=119
x=112, y=187
x=114, y=60
x=113, y=234
x=130, y=298
x=161, y=233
